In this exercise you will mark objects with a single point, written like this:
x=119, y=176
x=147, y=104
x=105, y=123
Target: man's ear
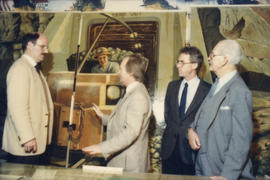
x=225, y=61
x=30, y=44
x=195, y=65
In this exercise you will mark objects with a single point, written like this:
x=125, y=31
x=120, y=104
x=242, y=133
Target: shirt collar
x=224, y=79
x=191, y=82
x=30, y=60
x=132, y=86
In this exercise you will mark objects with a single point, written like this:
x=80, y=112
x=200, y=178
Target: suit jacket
x=127, y=132
x=30, y=109
x=224, y=126
x=177, y=128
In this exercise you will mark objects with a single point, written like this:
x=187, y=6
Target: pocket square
x=225, y=107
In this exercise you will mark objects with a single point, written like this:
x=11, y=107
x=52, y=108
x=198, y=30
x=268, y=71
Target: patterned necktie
x=182, y=106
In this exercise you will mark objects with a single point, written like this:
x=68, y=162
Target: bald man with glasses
x=183, y=98
x=29, y=120
x=222, y=130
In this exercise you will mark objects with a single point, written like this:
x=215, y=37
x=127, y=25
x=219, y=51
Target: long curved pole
x=92, y=46
x=76, y=70
x=73, y=94
x=118, y=20
x=104, y=25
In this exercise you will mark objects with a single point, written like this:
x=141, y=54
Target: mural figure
x=104, y=66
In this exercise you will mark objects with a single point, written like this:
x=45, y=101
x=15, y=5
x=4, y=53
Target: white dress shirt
x=193, y=85
x=224, y=79
x=30, y=60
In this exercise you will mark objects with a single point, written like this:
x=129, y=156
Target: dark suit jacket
x=177, y=127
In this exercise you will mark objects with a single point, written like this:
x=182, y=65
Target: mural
x=159, y=37
x=113, y=5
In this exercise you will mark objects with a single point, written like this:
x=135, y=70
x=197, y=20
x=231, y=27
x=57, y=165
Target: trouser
x=35, y=160
x=175, y=165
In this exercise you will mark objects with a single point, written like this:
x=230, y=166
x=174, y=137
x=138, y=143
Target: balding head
x=231, y=49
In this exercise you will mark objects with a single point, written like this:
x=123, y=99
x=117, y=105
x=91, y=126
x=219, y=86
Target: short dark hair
x=195, y=55
x=136, y=65
x=29, y=37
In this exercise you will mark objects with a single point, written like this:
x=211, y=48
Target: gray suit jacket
x=224, y=126
x=30, y=109
x=127, y=132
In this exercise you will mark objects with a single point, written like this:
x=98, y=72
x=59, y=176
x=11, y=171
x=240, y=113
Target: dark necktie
x=38, y=67
x=182, y=106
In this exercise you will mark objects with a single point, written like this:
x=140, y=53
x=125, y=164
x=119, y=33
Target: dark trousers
x=35, y=160
x=175, y=165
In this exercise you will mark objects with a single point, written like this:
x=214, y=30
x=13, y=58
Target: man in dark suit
x=222, y=130
x=183, y=98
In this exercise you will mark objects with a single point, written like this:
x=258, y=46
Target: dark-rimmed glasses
x=212, y=55
x=182, y=62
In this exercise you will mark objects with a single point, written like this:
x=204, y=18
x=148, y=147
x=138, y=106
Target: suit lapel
x=175, y=99
x=40, y=81
x=197, y=99
x=219, y=98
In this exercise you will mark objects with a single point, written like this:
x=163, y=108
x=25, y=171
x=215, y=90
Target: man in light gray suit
x=222, y=130
x=127, y=126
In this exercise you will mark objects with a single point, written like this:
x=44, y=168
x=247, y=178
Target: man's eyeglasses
x=182, y=62
x=212, y=55
x=42, y=46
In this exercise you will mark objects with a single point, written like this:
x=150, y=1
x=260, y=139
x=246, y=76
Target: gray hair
x=232, y=50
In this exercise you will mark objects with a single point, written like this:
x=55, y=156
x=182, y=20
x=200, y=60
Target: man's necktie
x=182, y=106
x=38, y=67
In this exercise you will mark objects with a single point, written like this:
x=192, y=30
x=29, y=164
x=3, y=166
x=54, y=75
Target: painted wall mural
x=163, y=35
x=113, y=5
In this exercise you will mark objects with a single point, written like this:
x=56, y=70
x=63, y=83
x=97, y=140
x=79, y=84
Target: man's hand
x=98, y=111
x=30, y=146
x=193, y=139
x=218, y=178
x=92, y=150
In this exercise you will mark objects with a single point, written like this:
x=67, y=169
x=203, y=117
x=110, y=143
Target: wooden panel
x=85, y=94
x=91, y=88
x=88, y=128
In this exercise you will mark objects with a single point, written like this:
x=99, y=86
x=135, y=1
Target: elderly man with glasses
x=222, y=130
